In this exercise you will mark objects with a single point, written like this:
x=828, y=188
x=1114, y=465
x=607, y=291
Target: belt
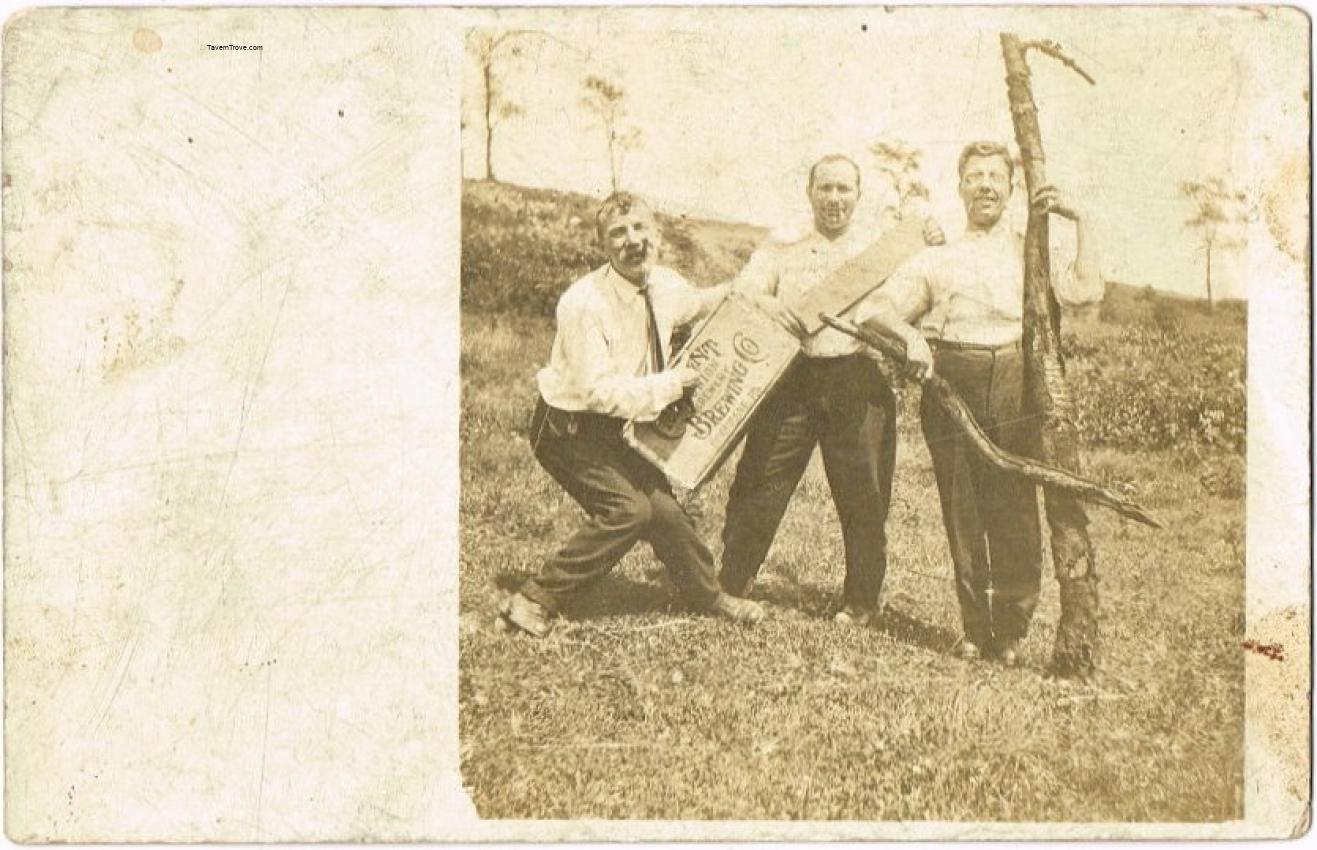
x=954, y=345
x=579, y=422
x=810, y=360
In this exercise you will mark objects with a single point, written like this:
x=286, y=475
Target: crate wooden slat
x=742, y=352
x=860, y=275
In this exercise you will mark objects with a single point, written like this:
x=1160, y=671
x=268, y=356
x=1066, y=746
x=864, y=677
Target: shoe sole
x=740, y=618
x=506, y=623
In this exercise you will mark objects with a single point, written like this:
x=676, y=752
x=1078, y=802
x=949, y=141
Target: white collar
x=850, y=235
x=1000, y=230
x=622, y=288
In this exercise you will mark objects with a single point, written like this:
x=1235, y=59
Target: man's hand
x=933, y=234
x=1049, y=199
x=782, y=314
x=918, y=358
x=689, y=377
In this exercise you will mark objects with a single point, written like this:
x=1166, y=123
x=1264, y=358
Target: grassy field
x=637, y=708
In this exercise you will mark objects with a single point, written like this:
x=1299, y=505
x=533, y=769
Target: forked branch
x=1051, y=48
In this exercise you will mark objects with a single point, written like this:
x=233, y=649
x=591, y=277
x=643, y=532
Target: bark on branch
x=1046, y=394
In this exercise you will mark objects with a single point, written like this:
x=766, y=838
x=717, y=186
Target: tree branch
x=1053, y=49
x=1039, y=473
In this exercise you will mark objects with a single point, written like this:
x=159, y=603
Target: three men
x=833, y=397
x=607, y=365
x=966, y=298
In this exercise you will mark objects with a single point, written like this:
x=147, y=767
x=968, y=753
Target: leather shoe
x=525, y=614
x=852, y=616
x=736, y=608
x=1008, y=653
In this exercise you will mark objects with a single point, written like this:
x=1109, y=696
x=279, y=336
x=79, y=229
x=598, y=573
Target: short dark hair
x=834, y=157
x=618, y=203
x=986, y=149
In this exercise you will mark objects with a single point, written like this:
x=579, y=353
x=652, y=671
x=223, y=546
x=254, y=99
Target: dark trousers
x=991, y=517
x=627, y=500
x=845, y=406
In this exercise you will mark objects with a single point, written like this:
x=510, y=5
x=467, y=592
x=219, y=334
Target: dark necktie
x=655, y=345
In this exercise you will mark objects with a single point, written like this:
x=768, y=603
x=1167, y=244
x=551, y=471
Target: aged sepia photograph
x=656, y=424
x=854, y=417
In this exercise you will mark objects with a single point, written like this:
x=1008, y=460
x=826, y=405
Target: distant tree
x=492, y=51
x=607, y=100
x=1220, y=212
x=900, y=163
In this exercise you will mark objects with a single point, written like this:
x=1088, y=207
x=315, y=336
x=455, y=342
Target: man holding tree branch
x=967, y=301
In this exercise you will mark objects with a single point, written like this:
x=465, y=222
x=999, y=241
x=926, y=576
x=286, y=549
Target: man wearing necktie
x=608, y=365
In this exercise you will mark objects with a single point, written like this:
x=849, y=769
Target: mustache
x=637, y=252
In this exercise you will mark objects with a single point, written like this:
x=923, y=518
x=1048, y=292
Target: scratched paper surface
x=231, y=307
x=229, y=357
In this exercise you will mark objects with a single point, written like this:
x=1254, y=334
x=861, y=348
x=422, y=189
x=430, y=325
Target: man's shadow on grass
x=818, y=602
x=908, y=629
x=620, y=594
x=614, y=594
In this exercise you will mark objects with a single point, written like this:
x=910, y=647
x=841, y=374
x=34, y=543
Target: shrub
x=1159, y=386
x=522, y=247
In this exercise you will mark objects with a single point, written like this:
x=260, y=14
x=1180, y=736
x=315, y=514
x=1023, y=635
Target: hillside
x=521, y=247
x=1125, y=304
x=1147, y=370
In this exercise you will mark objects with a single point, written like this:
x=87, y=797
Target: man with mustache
x=833, y=397
x=607, y=366
x=967, y=298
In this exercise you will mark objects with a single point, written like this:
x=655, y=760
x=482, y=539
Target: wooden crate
x=741, y=352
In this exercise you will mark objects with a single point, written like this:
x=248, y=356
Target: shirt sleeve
x=705, y=300
x=907, y=293
x=759, y=275
x=1069, y=289
x=691, y=302
x=585, y=350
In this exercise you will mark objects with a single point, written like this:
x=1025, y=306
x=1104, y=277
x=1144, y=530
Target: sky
x=734, y=105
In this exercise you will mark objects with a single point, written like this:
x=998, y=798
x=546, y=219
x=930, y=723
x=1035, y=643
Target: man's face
x=833, y=195
x=985, y=187
x=631, y=240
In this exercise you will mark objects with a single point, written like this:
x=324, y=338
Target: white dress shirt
x=790, y=269
x=600, y=361
x=970, y=290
